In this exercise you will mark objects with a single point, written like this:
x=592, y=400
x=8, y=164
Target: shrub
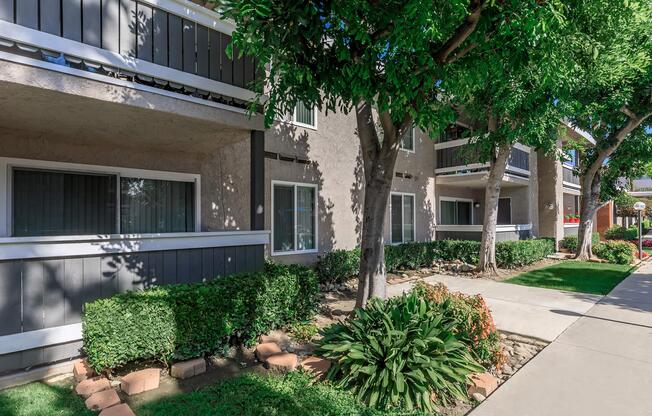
x=618, y=252
x=571, y=242
x=621, y=233
x=303, y=331
x=187, y=321
x=338, y=265
x=474, y=323
x=396, y=352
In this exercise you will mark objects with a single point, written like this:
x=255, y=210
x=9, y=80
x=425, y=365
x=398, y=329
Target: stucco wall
x=336, y=167
x=224, y=171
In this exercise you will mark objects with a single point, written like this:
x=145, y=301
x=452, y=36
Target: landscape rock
x=140, y=381
x=484, y=384
x=478, y=397
x=283, y=362
x=118, y=410
x=81, y=370
x=266, y=350
x=316, y=366
x=102, y=399
x=187, y=369
x=92, y=385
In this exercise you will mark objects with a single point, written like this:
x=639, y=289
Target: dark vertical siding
x=73, y=275
x=202, y=51
x=111, y=25
x=175, y=45
x=145, y=38
x=71, y=19
x=215, y=55
x=160, y=35
x=238, y=68
x=189, y=55
x=249, y=71
x=128, y=28
x=227, y=62
x=7, y=10
x=51, y=16
x=54, y=301
x=27, y=13
x=32, y=295
x=92, y=22
x=10, y=293
x=218, y=262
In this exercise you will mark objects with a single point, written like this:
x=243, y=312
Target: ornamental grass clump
x=396, y=353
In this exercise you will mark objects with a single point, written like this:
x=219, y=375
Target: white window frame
x=7, y=165
x=453, y=199
x=296, y=250
x=414, y=142
x=414, y=216
x=307, y=126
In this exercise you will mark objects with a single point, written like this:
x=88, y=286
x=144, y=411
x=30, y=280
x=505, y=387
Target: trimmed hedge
x=618, y=252
x=186, y=321
x=571, y=242
x=618, y=232
x=340, y=265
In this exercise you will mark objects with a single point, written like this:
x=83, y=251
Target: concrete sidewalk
x=530, y=311
x=600, y=366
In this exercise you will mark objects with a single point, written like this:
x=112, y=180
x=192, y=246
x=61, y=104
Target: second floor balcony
x=460, y=158
x=173, y=46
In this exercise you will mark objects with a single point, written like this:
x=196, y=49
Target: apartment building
x=127, y=159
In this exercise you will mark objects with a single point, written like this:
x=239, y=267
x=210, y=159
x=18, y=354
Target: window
x=570, y=157
x=305, y=116
x=58, y=203
x=455, y=132
x=504, y=211
x=402, y=218
x=407, y=143
x=294, y=222
x=455, y=212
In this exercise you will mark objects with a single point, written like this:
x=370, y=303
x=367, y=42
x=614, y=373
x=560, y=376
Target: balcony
x=571, y=180
x=172, y=46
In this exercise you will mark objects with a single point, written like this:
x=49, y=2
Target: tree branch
x=629, y=113
x=461, y=33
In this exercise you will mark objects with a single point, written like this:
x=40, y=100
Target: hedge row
x=186, y=321
x=340, y=265
x=571, y=242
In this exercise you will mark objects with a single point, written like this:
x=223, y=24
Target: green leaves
x=391, y=354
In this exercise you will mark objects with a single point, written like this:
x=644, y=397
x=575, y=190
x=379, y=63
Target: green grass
x=575, y=276
x=253, y=395
x=38, y=399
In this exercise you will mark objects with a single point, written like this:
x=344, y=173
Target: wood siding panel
x=227, y=62
x=175, y=45
x=111, y=25
x=109, y=275
x=32, y=295
x=51, y=16
x=92, y=276
x=128, y=28
x=27, y=13
x=183, y=266
x=207, y=270
x=155, y=268
x=229, y=260
x=249, y=71
x=54, y=300
x=189, y=55
x=202, y=51
x=73, y=290
x=169, y=268
x=195, y=263
x=7, y=10
x=10, y=297
x=160, y=36
x=92, y=22
x=145, y=39
x=215, y=55
x=71, y=19
x=238, y=68
x=218, y=262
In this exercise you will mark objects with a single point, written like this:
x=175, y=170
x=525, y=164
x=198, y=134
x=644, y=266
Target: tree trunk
x=589, y=204
x=497, y=169
x=379, y=162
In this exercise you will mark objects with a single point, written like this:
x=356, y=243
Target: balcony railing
x=465, y=157
x=570, y=177
x=168, y=44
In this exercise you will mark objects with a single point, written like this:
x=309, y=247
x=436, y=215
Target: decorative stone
x=187, y=369
x=266, y=350
x=140, y=381
x=283, y=362
x=118, y=410
x=92, y=385
x=484, y=384
x=316, y=366
x=81, y=370
x=264, y=339
x=102, y=399
x=478, y=397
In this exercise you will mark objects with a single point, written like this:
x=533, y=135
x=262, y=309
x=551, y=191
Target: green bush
x=339, y=265
x=474, y=323
x=614, y=251
x=187, y=321
x=571, y=242
x=618, y=232
x=397, y=352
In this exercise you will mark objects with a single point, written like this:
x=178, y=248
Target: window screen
x=304, y=114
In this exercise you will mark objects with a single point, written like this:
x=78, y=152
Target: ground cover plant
x=575, y=276
x=40, y=399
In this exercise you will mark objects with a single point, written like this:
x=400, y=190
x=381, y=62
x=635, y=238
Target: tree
x=525, y=110
x=613, y=100
x=387, y=60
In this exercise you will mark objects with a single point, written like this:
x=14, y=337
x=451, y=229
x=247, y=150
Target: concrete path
x=530, y=311
x=600, y=366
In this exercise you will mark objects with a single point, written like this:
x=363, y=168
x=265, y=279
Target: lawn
x=575, y=276
x=253, y=395
x=39, y=399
